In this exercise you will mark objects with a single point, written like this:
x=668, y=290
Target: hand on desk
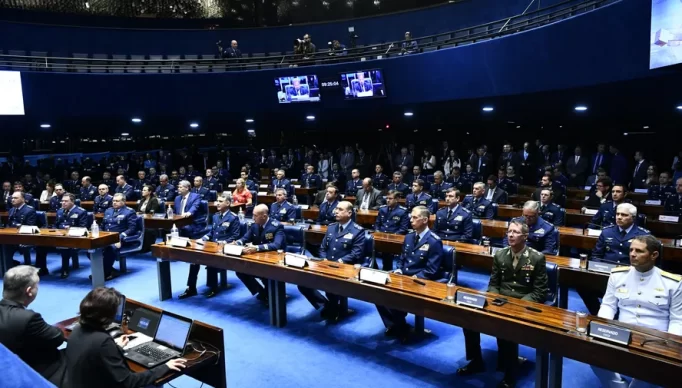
x=122, y=341
x=186, y=214
x=250, y=249
x=118, y=245
x=176, y=364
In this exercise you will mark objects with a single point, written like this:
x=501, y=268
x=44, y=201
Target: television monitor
x=300, y=88
x=11, y=94
x=363, y=84
x=665, y=46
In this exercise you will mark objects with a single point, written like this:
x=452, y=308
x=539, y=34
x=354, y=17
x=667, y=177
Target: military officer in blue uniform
x=56, y=200
x=673, y=205
x=337, y=177
x=453, y=222
x=439, y=187
x=123, y=187
x=418, y=196
x=479, y=207
x=73, y=184
x=18, y=186
x=153, y=177
x=224, y=230
x=505, y=183
x=457, y=180
x=549, y=211
x=310, y=179
x=606, y=215
x=68, y=216
x=327, y=213
x=88, y=190
x=280, y=182
x=165, y=192
x=265, y=234
x=418, y=175
x=123, y=220
x=421, y=258
x=398, y=184
x=211, y=182
x=470, y=176
x=21, y=214
x=643, y=295
x=613, y=246
x=141, y=181
x=199, y=188
x=380, y=179
x=354, y=184
x=392, y=218
x=106, y=180
x=174, y=178
x=344, y=243
x=251, y=185
x=541, y=234
x=281, y=210
x=662, y=190
x=103, y=201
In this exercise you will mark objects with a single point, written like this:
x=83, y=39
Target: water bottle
x=169, y=212
x=94, y=230
x=294, y=200
x=175, y=232
x=241, y=215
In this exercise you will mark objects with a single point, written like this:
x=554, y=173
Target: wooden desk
x=550, y=331
x=149, y=221
x=208, y=368
x=58, y=238
x=87, y=205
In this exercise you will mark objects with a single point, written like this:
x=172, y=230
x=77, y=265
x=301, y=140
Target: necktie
x=515, y=262
x=416, y=239
x=479, y=164
x=576, y=159
x=449, y=213
x=182, y=205
x=490, y=194
x=260, y=230
x=637, y=168
x=622, y=233
x=340, y=229
x=597, y=163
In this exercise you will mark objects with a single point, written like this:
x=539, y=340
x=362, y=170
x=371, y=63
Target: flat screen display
x=666, y=33
x=11, y=94
x=363, y=84
x=302, y=88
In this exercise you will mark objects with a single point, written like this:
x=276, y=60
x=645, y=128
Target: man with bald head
x=265, y=234
x=368, y=197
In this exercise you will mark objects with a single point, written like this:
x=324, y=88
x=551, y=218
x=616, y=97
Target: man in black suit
x=481, y=162
x=576, y=167
x=639, y=174
x=24, y=331
x=5, y=201
x=493, y=193
x=527, y=158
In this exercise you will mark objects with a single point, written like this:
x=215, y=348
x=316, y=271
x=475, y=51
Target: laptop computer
x=118, y=318
x=169, y=342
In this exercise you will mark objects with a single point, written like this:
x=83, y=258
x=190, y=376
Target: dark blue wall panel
x=429, y=21
x=607, y=45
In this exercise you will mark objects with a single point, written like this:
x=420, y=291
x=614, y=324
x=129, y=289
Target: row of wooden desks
x=150, y=221
x=549, y=331
x=574, y=192
x=207, y=367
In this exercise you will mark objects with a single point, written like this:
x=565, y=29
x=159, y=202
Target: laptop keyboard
x=152, y=352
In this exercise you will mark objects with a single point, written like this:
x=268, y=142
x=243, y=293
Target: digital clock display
x=330, y=84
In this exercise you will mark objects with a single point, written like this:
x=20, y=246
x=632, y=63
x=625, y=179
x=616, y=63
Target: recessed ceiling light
x=194, y=125
x=646, y=127
x=136, y=120
x=488, y=108
x=409, y=114
x=581, y=108
x=311, y=117
x=249, y=120
x=439, y=129
x=679, y=107
x=125, y=134
x=45, y=126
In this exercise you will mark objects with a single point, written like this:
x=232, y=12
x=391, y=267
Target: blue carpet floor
x=307, y=352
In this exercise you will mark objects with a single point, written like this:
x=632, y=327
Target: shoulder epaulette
x=383, y=206
x=643, y=230
x=533, y=250
x=333, y=223
x=30, y=206
x=671, y=276
x=465, y=209
x=620, y=269
x=358, y=226
x=402, y=207
x=435, y=236
x=610, y=226
x=275, y=223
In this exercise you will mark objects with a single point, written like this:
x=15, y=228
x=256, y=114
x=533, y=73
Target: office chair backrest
x=41, y=219
x=477, y=231
x=295, y=235
x=447, y=258
x=552, y=283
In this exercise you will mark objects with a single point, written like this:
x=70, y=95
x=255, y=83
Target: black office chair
x=446, y=265
x=295, y=235
x=552, y=284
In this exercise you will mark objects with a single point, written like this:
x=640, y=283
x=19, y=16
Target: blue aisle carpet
x=307, y=352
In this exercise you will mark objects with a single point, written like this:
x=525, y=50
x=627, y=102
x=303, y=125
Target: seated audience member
x=165, y=191
x=21, y=214
x=122, y=219
x=652, y=177
x=418, y=197
x=123, y=187
x=23, y=331
x=380, y=179
x=310, y=179
x=368, y=198
x=19, y=186
x=479, y=207
x=606, y=215
x=148, y=204
x=355, y=184
x=321, y=195
x=281, y=210
x=453, y=222
x=56, y=199
x=673, y=205
x=493, y=193
x=409, y=46
x=103, y=200
x=95, y=359
x=327, y=208
x=241, y=196
x=211, y=182
x=662, y=190
x=540, y=232
x=601, y=194
x=398, y=184
x=281, y=182
x=550, y=211
x=48, y=193
x=199, y=187
x=504, y=183
x=439, y=187
x=643, y=307
x=87, y=191
x=392, y=218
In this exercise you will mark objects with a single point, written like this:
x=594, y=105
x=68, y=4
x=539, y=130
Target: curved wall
x=607, y=45
x=64, y=40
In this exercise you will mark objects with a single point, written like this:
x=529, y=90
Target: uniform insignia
x=620, y=269
x=268, y=236
x=348, y=235
x=540, y=231
x=74, y=216
x=671, y=276
x=424, y=247
x=275, y=223
x=226, y=224
x=550, y=213
x=622, y=290
x=659, y=289
x=396, y=218
x=283, y=211
x=458, y=218
x=481, y=208
x=525, y=254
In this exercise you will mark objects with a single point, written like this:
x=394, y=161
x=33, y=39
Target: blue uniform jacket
x=271, y=239
x=211, y=183
x=126, y=190
x=673, y=205
x=202, y=192
x=421, y=199
x=165, y=193
x=392, y=220
x=347, y=246
x=101, y=204
x=479, y=207
x=225, y=228
x=438, y=189
x=401, y=187
x=55, y=203
x=552, y=214
x=283, y=213
x=353, y=186
x=25, y=215
x=606, y=215
x=611, y=246
x=123, y=221
x=338, y=177
x=283, y=184
x=423, y=259
x=327, y=212
x=77, y=217
x=380, y=181
x=661, y=193
x=88, y=193
x=540, y=237
x=507, y=185
x=313, y=181
x=458, y=227
x=192, y=206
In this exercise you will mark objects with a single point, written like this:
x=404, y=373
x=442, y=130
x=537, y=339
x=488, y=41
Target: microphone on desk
x=596, y=226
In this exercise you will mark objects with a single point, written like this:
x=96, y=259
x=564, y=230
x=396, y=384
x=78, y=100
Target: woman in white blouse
x=451, y=162
x=47, y=193
x=323, y=168
x=428, y=163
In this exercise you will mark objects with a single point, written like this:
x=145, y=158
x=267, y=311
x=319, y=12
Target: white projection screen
x=11, y=94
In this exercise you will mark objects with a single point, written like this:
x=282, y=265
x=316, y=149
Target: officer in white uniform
x=642, y=295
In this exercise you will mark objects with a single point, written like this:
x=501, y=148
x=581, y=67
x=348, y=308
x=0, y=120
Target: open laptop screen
x=173, y=332
x=119, y=312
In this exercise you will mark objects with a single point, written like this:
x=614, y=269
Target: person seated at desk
x=241, y=196
x=103, y=200
x=601, y=194
x=56, y=200
x=606, y=215
x=336, y=176
x=662, y=190
x=518, y=272
x=48, y=193
x=199, y=188
x=321, y=195
x=380, y=179
x=368, y=198
x=211, y=182
x=505, y=183
x=613, y=246
x=343, y=242
x=148, y=204
x=549, y=211
x=479, y=207
x=224, y=230
x=420, y=258
x=297, y=91
x=24, y=331
x=310, y=179
x=281, y=210
x=327, y=208
x=540, y=232
x=641, y=295
x=250, y=184
x=87, y=191
x=418, y=197
x=123, y=220
x=68, y=216
x=453, y=222
x=21, y=214
x=123, y=187
x=280, y=182
x=392, y=218
x=265, y=234
x=355, y=184
x=165, y=191
x=19, y=186
x=362, y=86
x=95, y=358
x=673, y=205
x=398, y=184
x=439, y=187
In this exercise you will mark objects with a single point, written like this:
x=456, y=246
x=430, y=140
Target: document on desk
x=139, y=340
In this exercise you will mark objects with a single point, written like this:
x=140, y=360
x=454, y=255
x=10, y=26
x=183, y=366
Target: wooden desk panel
x=208, y=368
x=57, y=238
x=149, y=221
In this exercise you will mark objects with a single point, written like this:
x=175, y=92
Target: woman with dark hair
x=94, y=358
x=149, y=204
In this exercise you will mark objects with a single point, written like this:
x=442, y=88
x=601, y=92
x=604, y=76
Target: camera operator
x=409, y=46
x=337, y=49
x=303, y=49
x=309, y=47
x=231, y=52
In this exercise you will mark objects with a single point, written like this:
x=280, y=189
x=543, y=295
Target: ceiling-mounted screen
x=11, y=94
x=363, y=84
x=300, y=88
x=666, y=33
